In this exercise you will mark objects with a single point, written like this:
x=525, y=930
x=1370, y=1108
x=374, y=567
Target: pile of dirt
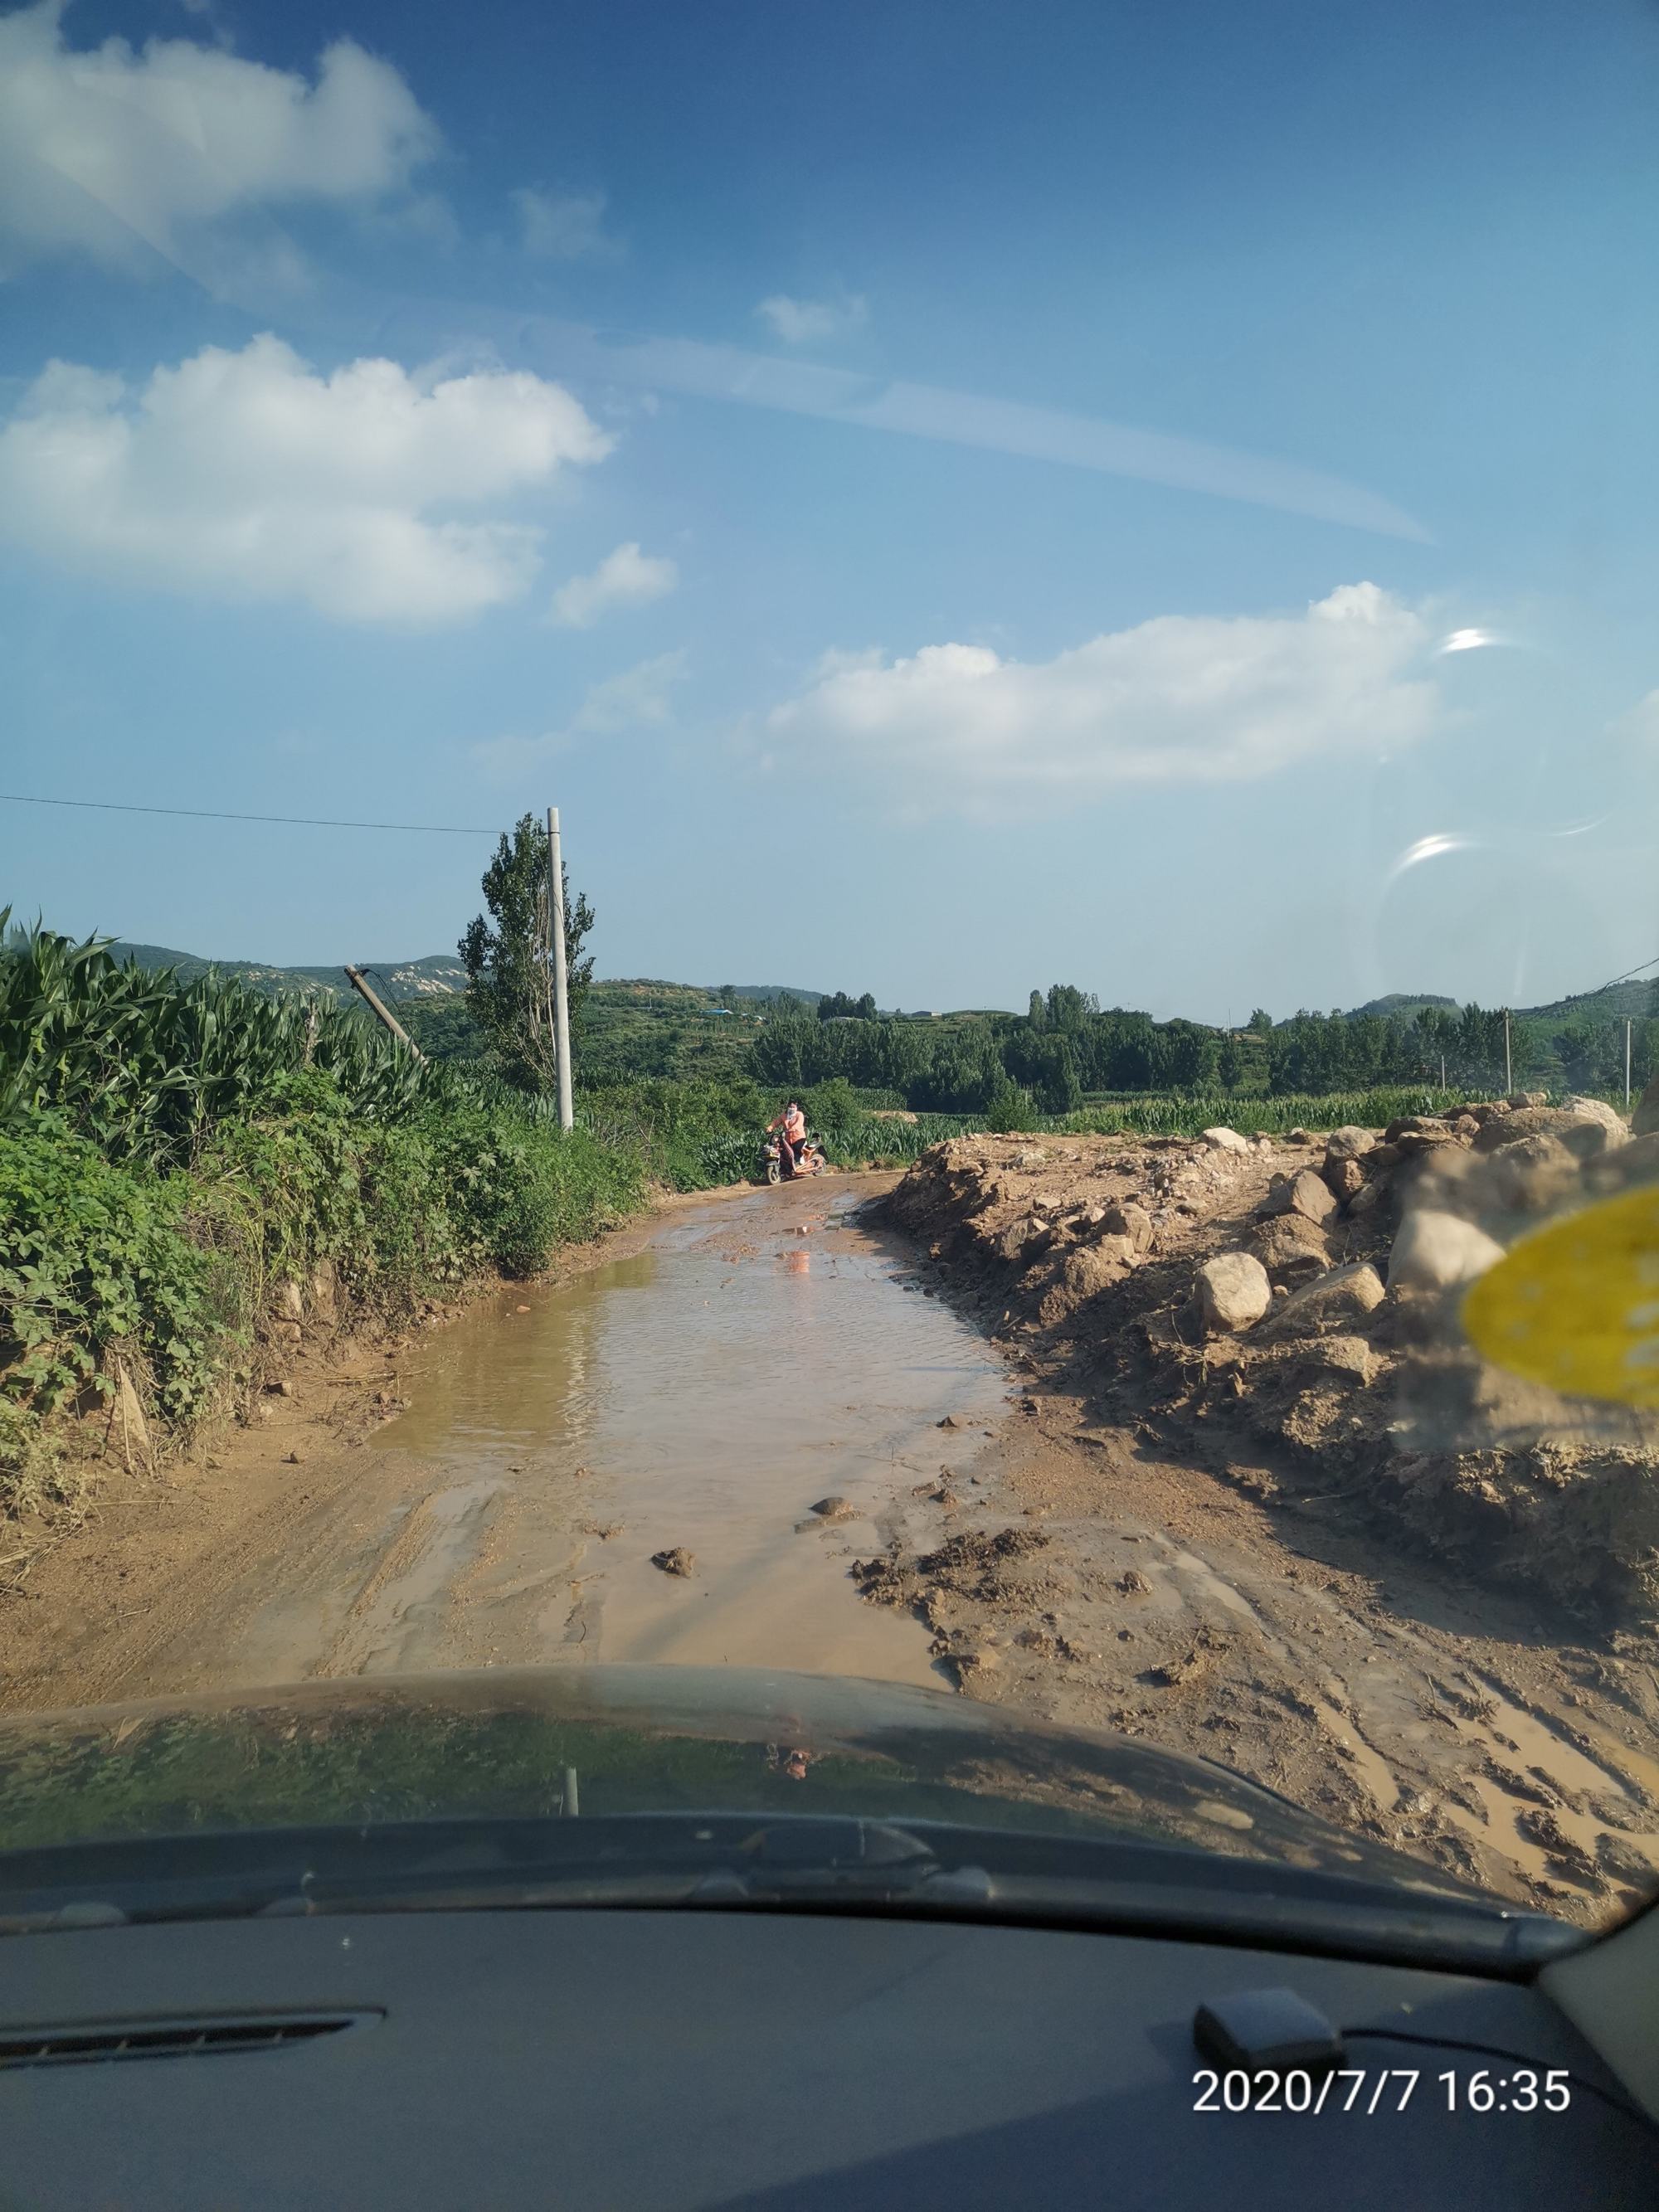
x=1296, y=1300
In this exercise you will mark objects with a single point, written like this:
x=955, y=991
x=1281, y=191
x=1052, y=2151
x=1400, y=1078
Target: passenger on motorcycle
x=790, y=1126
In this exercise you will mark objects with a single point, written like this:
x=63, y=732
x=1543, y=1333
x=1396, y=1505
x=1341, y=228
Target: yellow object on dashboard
x=1576, y=1304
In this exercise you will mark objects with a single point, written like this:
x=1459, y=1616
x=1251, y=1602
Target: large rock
x=1226, y=1140
x=1605, y=1117
x=1025, y=1239
x=1233, y=1291
x=1413, y=1144
x=1290, y=1247
x=1335, y=1300
x=1586, y=1127
x=1095, y=1267
x=1644, y=1122
x=1305, y=1193
x=1349, y=1142
x=290, y=1302
x=1438, y=1251
x=1345, y=1177
x=1129, y=1220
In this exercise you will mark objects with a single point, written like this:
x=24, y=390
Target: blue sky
x=943, y=497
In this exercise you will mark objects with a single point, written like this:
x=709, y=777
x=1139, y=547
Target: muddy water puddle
x=758, y=1357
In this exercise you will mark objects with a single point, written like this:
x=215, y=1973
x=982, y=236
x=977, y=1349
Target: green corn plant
x=146, y=1066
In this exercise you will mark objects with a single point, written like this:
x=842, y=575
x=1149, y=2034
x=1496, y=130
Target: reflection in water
x=702, y=1396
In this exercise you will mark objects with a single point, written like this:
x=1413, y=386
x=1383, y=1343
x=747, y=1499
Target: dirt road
x=778, y=1386
x=714, y=1377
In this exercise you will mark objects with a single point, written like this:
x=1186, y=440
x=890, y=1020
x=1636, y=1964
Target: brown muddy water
x=759, y=1356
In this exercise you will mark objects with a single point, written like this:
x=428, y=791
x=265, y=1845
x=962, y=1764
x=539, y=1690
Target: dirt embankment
x=1299, y=1300
x=1270, y=1508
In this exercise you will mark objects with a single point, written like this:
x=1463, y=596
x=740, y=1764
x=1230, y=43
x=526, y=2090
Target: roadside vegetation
x=177, y=1158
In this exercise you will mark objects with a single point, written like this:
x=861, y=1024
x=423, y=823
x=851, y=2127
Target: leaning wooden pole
x=359, y=982
x=561, y=982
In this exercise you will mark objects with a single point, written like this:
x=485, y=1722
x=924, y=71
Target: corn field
x=145, y=1066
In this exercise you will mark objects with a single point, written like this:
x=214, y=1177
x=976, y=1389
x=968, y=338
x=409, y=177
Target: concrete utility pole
x=359, y=983
x=1508, y=1072
x=560, y=997
x=1627, y=1064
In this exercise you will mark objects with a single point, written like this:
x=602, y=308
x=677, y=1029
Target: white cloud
x=626, y=578
x=105, y=149
x=564, y=226
x=250, y=476
x=1179, y=699
x=640, y=698
x=809, y=322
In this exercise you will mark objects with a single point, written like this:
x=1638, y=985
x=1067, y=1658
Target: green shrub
x=1009, y=1108
x=94, y=1257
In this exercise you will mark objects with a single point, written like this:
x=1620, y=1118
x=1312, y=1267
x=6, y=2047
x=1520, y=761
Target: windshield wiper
x=799, y=1863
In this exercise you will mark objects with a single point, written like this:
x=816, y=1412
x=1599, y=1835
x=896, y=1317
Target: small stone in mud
x=521, y=1310
x=679, y=1561
x=833, y=1509
x=295, y=1459
x=1134, y=1583
x=949, y=1422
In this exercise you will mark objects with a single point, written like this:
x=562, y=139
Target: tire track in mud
x=1096, y=1582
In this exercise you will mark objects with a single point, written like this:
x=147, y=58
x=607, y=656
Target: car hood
x=515, y=1743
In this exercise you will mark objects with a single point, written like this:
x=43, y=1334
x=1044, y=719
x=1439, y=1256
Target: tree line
x=1066, y=1045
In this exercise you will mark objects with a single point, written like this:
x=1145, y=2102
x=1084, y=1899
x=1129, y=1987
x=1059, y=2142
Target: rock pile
x=1304, y=1293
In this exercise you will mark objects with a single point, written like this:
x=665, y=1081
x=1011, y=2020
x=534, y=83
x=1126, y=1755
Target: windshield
x=1103, y=560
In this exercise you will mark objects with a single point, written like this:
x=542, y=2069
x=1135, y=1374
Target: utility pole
x=1443, y=1070
x=1627, y=1064
x=561, y=996
x=1509, y=1070
x=359, y=983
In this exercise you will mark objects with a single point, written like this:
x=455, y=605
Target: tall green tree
x=508, y=956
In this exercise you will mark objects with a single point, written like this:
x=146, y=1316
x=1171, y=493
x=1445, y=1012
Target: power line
x=1630, y=972
x=207, y=814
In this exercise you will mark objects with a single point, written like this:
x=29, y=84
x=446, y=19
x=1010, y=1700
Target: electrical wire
x=208, y=814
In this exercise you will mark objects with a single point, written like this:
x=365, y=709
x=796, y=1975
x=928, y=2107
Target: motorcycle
x=809, y=1158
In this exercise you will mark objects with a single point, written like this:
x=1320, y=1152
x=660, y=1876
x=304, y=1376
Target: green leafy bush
x=94, y=1257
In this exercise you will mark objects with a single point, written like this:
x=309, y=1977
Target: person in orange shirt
x=791, y=1126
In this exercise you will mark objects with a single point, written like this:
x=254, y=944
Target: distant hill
x=438, y=976
x=1636, y=1001
x=1402, y=1005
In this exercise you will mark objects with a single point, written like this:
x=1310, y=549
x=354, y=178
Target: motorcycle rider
x=791, y=1127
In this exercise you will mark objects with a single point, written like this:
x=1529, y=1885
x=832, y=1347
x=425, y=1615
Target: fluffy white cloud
x=1179, y=699
x=248, y=475
x=626, y=578
x=102, y=148
x=809, y=322
x=640, y=698
x=563, y=226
